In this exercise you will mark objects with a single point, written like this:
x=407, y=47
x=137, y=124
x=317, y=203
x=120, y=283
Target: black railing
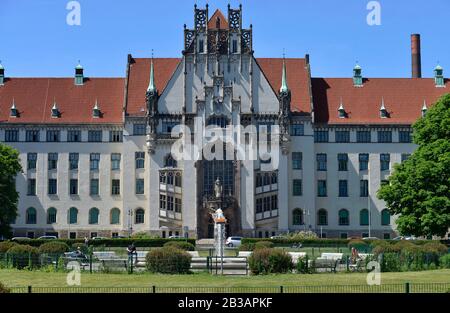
x=383, y=288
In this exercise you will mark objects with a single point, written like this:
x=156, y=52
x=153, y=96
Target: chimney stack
x=415, y=56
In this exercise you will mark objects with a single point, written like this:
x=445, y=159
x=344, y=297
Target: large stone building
x=96, y=152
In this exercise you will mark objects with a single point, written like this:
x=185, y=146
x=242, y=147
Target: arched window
x=385, y=217
x=139, y=216
x=31, y=216
x=73, y=215
x=344, y=217
x=169, y=161
x=364, y=217
x=115, y=216
x=93, y=216
x=51, y=216
x=322, y=217
x=297, y=217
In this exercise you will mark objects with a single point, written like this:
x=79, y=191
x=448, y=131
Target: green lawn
x=16, y=278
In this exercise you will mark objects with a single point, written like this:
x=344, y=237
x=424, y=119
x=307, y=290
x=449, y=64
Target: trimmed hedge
x=6, y=245
x=183, y=245
x=4, y=289
x=168, y=260
x=22, y=256
x=268, y=261
x=54, y=247
x=110, y=242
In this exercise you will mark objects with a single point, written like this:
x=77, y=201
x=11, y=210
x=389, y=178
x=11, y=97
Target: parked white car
x=233, y=241
x=48, y=237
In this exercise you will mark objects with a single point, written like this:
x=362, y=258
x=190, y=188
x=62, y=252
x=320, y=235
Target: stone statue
x=218, y=188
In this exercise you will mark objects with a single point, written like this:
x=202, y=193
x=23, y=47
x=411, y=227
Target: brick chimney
x=415, y=56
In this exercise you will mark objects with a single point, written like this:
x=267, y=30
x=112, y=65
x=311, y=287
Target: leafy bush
x=319, y=242
x=250, y=246
x=168, y=260
x=83, y=248
x=358, y=244
x=247, y=246
x=267, y=261
x=22, y=256
x=183, y=245
x=54, y=247
x=302, y=235
x=143, y=235
x=435, y=247
x=6, y=245
x=444, y=261
x=110, y=242
x=302, y=266
x=4, y=289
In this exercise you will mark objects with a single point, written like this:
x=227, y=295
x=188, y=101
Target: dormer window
x=14, y=112
x=55, y=111
x=424, y=108
x=341, y=110
x=96, y=113
x=383, y=112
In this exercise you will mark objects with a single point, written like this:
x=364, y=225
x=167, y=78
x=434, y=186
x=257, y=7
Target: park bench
x=194, y=254
x=328, y=261
x=359, y=264
x=104, y=255
x=244, y=254
x=297, y=255
x=114, y=263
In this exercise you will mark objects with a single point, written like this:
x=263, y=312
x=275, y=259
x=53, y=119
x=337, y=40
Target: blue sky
x=35, y=39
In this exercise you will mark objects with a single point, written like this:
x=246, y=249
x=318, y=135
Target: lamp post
x=130, y=222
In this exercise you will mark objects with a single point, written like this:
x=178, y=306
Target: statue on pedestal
x=218, y=188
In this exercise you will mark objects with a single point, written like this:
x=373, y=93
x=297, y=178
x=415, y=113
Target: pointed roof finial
x=55, y=107
x=357, y=66
x=13, y=106
x=341, y=105
x=424, y=107
x=151, y=85
x=382, y=108
x=96, y=104
x=284, y=85
x=79, y=66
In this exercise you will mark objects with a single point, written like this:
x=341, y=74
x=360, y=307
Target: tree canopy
x=419, y=188
x=9, y=168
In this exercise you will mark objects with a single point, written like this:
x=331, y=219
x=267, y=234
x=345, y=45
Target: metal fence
x=384, y=288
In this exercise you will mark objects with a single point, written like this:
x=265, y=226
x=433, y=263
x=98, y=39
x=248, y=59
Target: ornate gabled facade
x=101, y=156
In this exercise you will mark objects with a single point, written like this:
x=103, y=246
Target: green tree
x=419, y=188
x=9, y=168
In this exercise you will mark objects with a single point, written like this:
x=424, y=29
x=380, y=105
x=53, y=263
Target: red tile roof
x=403, y=99
x=297, y=80
x=139, y=78
x=213, y=20
x=34, y=99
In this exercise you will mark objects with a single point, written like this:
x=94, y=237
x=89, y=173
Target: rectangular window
x=363, y=136
x=321, y=136
x=115, y=161
x=94, y=161
x=74, y=136
x=385, y=160
x=321, y=188
x=73, y=186
x=384, y=136
x=52, y=186
x=162, y=202
x=342, y=136
x=259, y=205
x=94, y=187
x=266, y=204
x=297, y=160
x=274, y=202
x=344, y=235
x=95, y=136
x=11, y=135
x=386, y=236
x=177, y=181
x=115, y=136
x=343, y=188
x=169, y=203
x=73, y=161
x=140, y=159
x=139, y=186
x=52, y=161
x=363, y=188
x=139, y=129
x=31, y=190
x=342, y=162
x=404, y=136
x=297, y=130
x=201, y=46
x=115, y=187
x=31, y=161
x=168, y=125
x=32, y=135
x=405, y=156
x=177, y=205
x=53, y=135
x=363, y=161
x=234, y=46
x=297, y=187
x=321, y=161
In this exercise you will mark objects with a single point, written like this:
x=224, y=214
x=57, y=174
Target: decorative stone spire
x=55, y=110
x=96, y=110
x=284, y=86
x=14, y=112
x=383, y=111
x=424, y=108
x=341, y=110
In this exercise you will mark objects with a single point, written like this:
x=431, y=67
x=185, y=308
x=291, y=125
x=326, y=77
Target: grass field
x=16, y=278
